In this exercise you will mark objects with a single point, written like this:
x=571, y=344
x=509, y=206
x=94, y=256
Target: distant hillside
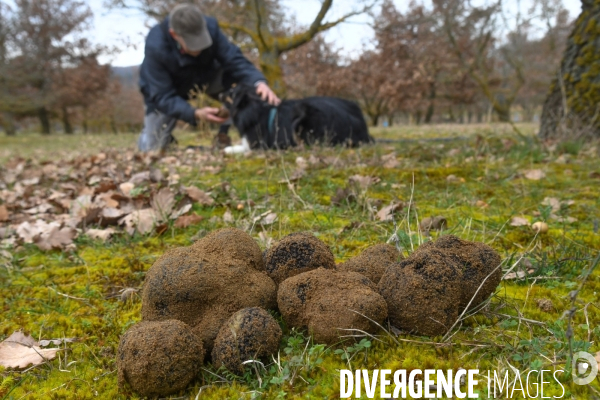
x=127, y=75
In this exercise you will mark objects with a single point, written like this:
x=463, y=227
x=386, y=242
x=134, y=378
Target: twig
x=379, y=325
x=218, y=376
x=412, y=192
x=531, y=321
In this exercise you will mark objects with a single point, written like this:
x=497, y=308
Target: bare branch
x=318, y=26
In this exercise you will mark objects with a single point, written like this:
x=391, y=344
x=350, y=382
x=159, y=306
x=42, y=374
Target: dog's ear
x=240, y=99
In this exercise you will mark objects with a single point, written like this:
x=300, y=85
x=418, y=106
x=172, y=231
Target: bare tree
x=493, y=60
x=44, y=40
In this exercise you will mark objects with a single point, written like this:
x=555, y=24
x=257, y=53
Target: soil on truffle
x=297, y=253
x=372, y=262
x=230, y=246
x=203, y=290
x=322, y=301
x=476, y=261
x=249, y=334
x=423, y=292
x=159, y=358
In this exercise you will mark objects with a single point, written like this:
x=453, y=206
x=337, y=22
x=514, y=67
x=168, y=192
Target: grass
x=75, y=294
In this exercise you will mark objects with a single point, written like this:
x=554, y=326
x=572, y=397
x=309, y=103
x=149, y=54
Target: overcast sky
x=127, y=29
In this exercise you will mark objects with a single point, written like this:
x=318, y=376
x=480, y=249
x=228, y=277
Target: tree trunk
x=44, y=120
x=374, y=119
x=572, y=108
x=8, y=124
x=66, y=122
x=113, y=125
x=271, y=68
x=431, y=106
x=418, y=117
x=502, y=109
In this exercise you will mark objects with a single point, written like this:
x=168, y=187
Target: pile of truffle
x=210, y=300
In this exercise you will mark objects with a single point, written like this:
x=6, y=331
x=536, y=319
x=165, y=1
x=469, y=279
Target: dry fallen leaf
x=552, y=202
x=390, y=161
x=534, y=174
x=519, y=221
x=19, y=350
x=111, y=216
x=266, y=218
x=433, y=223
x=187, y=220
x=126, y=188
x=386, y=213
x=364, y=181
x=3, y=213
x=301, y=162
x=141, y=221
x=102, y=234
x=81, y=206
x=162, y=203
x=295, y=176
x=343, y=196
x=199, y=196
x=183, y=210
x=55, y=238
x=481, y=204
x=228, y=217
x=454, y=178
x=140, y=177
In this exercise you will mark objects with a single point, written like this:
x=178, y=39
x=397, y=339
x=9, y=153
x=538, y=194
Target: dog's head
x=239, y=97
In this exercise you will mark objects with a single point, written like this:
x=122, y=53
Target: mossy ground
x=75, y=294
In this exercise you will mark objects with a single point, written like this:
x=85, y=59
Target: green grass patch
x=76, y=293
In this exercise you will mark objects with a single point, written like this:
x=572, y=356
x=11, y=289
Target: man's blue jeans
x=157, y=133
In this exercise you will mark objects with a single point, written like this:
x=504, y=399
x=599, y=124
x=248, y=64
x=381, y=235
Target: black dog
x=326, y=120
x=262, y=125
x=331, y=121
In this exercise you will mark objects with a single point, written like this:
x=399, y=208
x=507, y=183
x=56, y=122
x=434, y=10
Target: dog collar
x=272, y=115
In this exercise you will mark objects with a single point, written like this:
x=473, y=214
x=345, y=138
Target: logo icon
x=580, y=368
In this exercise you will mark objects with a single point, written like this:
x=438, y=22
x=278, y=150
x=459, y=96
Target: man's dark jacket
x=167, y=75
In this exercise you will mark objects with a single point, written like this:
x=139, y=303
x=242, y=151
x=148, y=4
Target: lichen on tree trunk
x=271, y=68
x=572, y=108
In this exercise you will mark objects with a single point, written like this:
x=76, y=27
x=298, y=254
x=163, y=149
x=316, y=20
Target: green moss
x=33, y=293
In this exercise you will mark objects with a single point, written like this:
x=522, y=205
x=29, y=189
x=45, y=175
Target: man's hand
x=209, y=114
x=267, y=94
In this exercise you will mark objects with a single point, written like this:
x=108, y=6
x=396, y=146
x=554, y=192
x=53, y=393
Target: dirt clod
x=249, y=334
x=197, y=286
x=230, y=245
x=372, y=262
x=321, y=300
x=426, y=291
x=477, y=261
x=422, y=292
x=159, y=358
x=297, y=253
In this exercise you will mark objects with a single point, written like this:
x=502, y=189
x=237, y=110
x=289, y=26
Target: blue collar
x=272, y=115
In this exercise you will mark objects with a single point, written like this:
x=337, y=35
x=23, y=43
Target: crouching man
x=184, y=52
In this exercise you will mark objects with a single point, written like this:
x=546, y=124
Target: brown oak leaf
x=20, y=350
